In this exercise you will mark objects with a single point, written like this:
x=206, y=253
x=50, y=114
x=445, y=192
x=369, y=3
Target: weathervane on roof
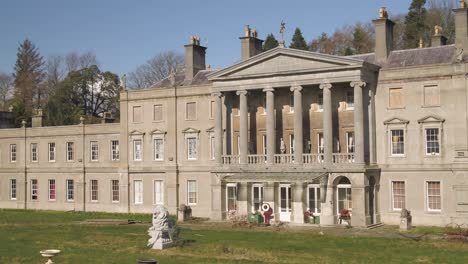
x=282, y=28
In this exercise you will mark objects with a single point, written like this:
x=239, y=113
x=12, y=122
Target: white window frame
x=189, y=191
x=349, y=145
x=34, y=189
x=318, y=206
x=70, y=151
x=94, y=186
x=115, y=191
x=404, y=142
x=135, y=156
x=138, y=196
x=158, y=155
x=259, y=186
x=427, y=197
x=427, y=142
x=94, y=150
x=34, y=153
x=13, y=189
x=346, y=187
x=115, y=150
x=70, y=191
x=194, y=155
x=13, y=153
x=52, y=149
x=289, y=203
x=392, y=194
x=229, y=186
x=158, y=197
x=52, y=183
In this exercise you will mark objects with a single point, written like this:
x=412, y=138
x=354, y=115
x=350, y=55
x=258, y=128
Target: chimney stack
x=194, y=58
x=383, y=36
x=38, y=116
x=461, y=27
x=438, y=39
x=250, y=44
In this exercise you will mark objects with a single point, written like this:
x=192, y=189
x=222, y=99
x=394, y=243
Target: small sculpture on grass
x=163, y=232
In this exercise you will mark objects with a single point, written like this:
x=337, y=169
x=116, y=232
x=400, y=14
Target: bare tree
x=55, y=69
x=75, y=61
x=6, y=88
x=439, y=13
x=155, y=69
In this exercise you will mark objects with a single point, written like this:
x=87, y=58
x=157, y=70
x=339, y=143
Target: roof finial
x=383, y=13
x=282, y=28
x=462, y=4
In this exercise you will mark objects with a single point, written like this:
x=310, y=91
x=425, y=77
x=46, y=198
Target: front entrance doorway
x=285, y=202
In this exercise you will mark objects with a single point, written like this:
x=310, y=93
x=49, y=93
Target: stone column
x=218, y=129
x=269, y=198
x=242, y=199
x=298, y=133
x=327, y=215
x=216, y=198
x=270, y=125
x=372, y=141
x=244, y=142
x=298, y=207
x=327, y=122
x=358, y=122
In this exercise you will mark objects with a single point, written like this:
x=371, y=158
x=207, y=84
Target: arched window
x=343, y=195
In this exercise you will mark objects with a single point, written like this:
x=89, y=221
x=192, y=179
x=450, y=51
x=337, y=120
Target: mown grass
x=21, y=238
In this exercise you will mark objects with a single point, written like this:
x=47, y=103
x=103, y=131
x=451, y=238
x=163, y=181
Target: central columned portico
x=293, y=146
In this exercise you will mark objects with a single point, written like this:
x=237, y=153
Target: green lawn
x=24, y=233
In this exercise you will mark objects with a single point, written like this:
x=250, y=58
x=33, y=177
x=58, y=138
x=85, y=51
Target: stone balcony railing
x=285, y=159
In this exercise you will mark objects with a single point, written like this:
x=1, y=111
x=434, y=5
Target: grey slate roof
x=397, y=58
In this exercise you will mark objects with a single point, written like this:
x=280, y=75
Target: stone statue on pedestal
x=162, y=231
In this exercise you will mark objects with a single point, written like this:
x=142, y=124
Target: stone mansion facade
x=301, y=131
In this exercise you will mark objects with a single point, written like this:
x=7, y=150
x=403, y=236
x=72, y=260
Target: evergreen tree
x=270, y=42
x=29, y=74
x=298, y=41
x=415, y=25
x=361, y=42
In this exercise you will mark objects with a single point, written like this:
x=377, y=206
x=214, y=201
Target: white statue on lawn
x=161, y=232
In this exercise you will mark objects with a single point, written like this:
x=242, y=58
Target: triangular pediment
x=396, y=121
x=190, y=130
x=158, y=132
x=283, y=61
x=431, y=119
x=136, y=133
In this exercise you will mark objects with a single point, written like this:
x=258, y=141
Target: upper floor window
x=320, y=102
x=349, y=100
x=350, y=142
x=70, y=151
x=137, y=150
x=115, y=153
x=158, y=112
x=94, y=151
x=291, y=103
x=432, y=141
x=52, y=151
x=320, y=143
x=34, y=155
x=395, y=98
x=158, y=149
x=291, y=144
x=13, y=153
x=191, y=111
x=397, y=142
x=431, y=95
x=137, y=114
x=192, y=143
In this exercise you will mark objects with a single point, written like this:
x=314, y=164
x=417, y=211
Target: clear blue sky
x=124, y=34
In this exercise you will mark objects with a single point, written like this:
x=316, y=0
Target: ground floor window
x=158, y=192
x=138, y=191
x=231, y=197
x=12, y=189
x=34, y=190
x=51, y=190
x=434, y=199
x=314, y=199
x=70, y=190
x=398, y=195
x=257, y=197
x=115, y=190
x=94, y=190
x=191, y=192
x=343, y=195
x=285, y=198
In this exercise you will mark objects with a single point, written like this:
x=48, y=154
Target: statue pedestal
x=163, y=238
x=405, y=223
x=162, y=232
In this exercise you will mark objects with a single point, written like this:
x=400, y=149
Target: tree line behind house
x=69, y=86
